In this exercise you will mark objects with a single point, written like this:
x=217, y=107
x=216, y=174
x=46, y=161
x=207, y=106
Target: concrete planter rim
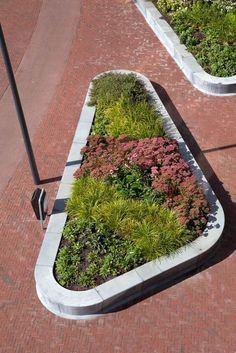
x=101, y=299
x=200, y=79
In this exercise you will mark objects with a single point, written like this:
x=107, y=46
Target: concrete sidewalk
x=197, y=314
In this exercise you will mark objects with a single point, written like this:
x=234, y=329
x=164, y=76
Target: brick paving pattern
x=18, y=19
x=195, y=315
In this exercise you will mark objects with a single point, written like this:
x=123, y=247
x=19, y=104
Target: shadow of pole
x=50, y=180
x=220, y=148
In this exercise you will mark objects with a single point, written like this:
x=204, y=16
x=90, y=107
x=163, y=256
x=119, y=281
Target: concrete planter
x=217, y=86
x=133, y=284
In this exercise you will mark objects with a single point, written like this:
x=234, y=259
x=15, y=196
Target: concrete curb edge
x=133, y=284
x=206, y=83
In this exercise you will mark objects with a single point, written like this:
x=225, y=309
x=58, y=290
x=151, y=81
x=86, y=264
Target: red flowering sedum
x=158, y=157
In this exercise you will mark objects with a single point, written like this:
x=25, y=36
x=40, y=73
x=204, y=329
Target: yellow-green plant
x=137, y=120
x=87, y=195
x=123, y=106
x=155, y=229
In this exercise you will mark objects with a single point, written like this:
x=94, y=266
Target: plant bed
x=202, y=32
x=209, y=32
x=103, y=207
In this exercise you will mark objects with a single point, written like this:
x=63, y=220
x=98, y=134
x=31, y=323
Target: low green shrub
x=167, y=6
x=208, y=31
x=93, y=254
x=173, y=5
x=131, y=181
x=109, y=87
x=67, y=263
x=224, y=5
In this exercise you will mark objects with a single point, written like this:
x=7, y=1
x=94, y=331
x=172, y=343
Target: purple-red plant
x=104, y=155
x=158, y=157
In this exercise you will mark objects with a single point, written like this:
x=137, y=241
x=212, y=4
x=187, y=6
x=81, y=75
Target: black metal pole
x=19, y=109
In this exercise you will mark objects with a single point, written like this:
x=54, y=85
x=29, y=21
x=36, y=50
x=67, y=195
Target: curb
x=206, y=83
x=135, y=283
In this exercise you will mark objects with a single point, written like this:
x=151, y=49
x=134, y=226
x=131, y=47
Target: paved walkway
x=38, y=74
x=195, y=315
x=18, y=19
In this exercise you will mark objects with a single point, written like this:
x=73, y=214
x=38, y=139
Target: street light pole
x=19, y=109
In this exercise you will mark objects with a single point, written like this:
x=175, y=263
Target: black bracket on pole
x=39, y=203
x=19, y=109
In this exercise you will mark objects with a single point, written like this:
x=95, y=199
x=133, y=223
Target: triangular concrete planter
x=133, y=284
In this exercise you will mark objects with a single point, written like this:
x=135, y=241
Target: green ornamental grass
x=137, y=120
x=116, y=233
x=94, y=200
x=123, y=106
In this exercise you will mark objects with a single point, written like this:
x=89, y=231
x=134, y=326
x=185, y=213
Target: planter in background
x=217, y=86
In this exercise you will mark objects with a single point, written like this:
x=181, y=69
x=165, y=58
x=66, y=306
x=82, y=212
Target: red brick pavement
x=18, y=19
x=196, y=315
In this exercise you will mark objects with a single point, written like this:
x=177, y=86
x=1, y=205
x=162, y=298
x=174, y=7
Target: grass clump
x=137, y=120
x=109, y=234
x=99, y=202
x=123, y=107
x=89, y=194
x=154, y=229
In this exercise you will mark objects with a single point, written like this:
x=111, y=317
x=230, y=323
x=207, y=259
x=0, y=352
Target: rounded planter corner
x=135, y=283
x=200, y=79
